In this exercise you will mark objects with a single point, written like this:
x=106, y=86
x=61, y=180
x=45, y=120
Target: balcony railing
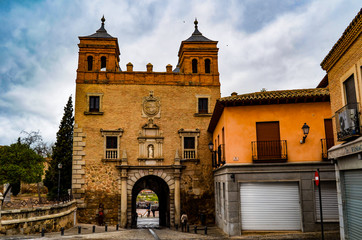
x=269, y=151
x=326, y=144
x=348, y=122
x=189, y=154
x=218, y=156
x=111, y=154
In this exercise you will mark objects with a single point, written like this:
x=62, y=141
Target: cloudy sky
x=272, y=44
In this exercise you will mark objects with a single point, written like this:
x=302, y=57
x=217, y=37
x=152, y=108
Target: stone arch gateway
x=161, y=188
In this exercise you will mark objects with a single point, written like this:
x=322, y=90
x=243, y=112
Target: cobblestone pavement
x=168, y=234
x=148, y=222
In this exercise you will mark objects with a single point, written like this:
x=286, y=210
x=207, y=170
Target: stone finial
x=124, y=154
x=233, y=94
x=124, y=157
x=176, y=154
x=177, y=158
x=169, y=68
x=129, y=67
x=149, y=67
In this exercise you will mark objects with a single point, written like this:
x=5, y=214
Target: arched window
x=90, y=63
x=207, y=65
x=194, y=65
x=103, y=63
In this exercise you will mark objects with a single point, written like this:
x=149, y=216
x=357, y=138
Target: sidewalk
x=165, y=233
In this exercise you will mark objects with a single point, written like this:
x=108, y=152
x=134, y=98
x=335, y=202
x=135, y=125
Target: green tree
x=18, y=162
x=62, y=153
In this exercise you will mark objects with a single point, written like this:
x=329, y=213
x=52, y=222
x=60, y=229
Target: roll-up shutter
x=270, y=206
x=329, y=202
x=353, y=203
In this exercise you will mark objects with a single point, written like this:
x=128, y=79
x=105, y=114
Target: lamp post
x=211, y=148
x=59, y=168
x=305, y=129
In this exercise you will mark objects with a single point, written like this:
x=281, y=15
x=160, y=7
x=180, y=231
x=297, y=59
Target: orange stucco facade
x=239, y=125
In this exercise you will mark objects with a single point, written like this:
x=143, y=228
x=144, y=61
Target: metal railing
x=348, y=122
x=269, y=151
x=218, y=156
x=111, y=154
x=326, y=143
x=189, y=154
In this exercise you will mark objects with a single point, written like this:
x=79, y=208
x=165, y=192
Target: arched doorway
x=160, y=187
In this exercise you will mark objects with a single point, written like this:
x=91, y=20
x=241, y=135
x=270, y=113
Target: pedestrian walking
x=183, y=222
x=148, y=209
x=100, y=214
x=153, y=209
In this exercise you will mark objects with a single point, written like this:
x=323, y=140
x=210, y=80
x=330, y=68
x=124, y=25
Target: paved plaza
x=167, y=234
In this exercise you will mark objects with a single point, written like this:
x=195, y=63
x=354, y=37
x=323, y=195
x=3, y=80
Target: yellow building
x=143, y=130
x=265, y=162
x=344, y=66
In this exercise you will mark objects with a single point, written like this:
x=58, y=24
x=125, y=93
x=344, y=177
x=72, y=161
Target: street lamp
x=59, y=168
x=211, y=146
x=305, y=129
x=213, y=154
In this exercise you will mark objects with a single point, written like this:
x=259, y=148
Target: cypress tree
x=62, y=153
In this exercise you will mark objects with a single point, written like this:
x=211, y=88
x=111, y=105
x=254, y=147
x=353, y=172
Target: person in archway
x=183, y=222
x=148, y=209
x=153, y=209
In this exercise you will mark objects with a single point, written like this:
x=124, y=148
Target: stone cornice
x=352, y=32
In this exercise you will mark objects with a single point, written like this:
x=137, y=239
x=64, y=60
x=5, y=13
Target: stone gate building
x=143, y=130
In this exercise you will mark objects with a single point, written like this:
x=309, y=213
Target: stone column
x=124, y=192
x=177, y=175
x=124, y=199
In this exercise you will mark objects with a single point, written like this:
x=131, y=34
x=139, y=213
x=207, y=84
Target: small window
x=203, y=105
x=90, y=63
x=103, y=63
x=350, y=90
x=94, y=104
x=194, y=65
x=207, y=65
x=189, y=143
x=189, y=148
x=111, y=147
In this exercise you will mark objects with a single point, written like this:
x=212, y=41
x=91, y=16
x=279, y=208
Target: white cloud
x=39, y=52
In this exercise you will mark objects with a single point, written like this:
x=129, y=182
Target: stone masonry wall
x=32, y=220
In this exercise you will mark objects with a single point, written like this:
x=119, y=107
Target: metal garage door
x=329, y=202
x=353, y=203
x=270, y=206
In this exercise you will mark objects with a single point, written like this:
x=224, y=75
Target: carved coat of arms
x=151, y=106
